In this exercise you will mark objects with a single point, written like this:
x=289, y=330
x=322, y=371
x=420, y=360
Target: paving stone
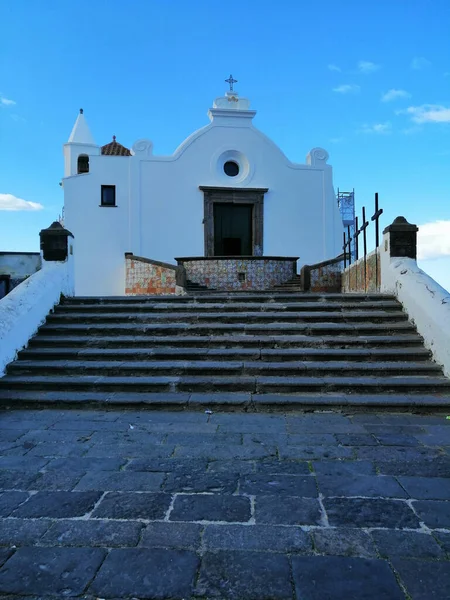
x=344, y=542
x=434, y=513
x=344, y=467
x=404, y=439
x=16, y=480
x=244, y=576
x=11, y=435
x=129, y=505
x=129, y=450
x=183, y=536
x=58, y=505
x=93, y=532
x=215, y=452
x=323, y=424
x=339, y=577
x=360, y=485
x=288, y=511
x=5, y=553
x=387, y=429
x=194, y=439
x=22, y=463
x=206, y=507
x=74, y=423
x=146, y=419
x=57, y=449
x=11, y=500
x=39, y=436
x=406, y=544
x=129, y=436
x=60, y=572
x=22, y=532
x=266, y=439
x=397, y=453
x=241, y=467
x=289, y=467
x=434, y=439
x=315, y=452
x=86, y=464
x=427, y=488
x=223, y=483
x=424, y=580
x=278, y=484
x=436, y=467
x=126, y=481
x=311, y=439
x=169, y=465
x=258, y=424
x=257, y=537
x=374, y=512
x=146, y=573
x=356, y=439
x=444, y=540
x=53, y=480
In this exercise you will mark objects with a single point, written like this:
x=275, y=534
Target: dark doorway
x=233, y=229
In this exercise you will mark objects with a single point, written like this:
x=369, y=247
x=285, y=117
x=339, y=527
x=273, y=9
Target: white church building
x=227, y=190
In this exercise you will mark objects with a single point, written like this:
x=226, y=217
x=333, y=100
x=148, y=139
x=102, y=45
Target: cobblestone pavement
x=224, y=506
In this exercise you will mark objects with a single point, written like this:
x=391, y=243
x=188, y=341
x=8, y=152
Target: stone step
x=411, y=340
x=227, y=328
x=235, y=353
x=261, y=385
x=184, y=307
x=222, y=401
x=232, y=297
x=374, y=316
x=223, y=367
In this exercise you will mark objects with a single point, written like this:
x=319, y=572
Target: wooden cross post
x=375, y=217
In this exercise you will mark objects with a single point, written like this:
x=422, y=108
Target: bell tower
x=79, y=148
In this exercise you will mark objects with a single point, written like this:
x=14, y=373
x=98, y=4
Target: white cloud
x=428, y=113
x=347, y=89
x=332, y=67
x=10, y=202
x=6, y=101
x=366, y=67
x=336, y=140
x=394, y=94
x=411, y=130
x=380, y=128
x=419, y=62
x=433, y=240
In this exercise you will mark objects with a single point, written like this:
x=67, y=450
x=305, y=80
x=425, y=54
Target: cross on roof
x=231, y=81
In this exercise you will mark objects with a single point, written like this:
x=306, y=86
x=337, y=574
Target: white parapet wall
x=425, y=301
x=26, y=307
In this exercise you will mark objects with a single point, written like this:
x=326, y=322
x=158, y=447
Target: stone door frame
x=227, y=195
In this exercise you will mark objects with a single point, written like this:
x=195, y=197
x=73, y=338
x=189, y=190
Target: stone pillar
x=55, y=244
x=399, y=241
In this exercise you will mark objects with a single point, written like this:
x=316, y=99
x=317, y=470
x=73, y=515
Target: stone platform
x=128, y=504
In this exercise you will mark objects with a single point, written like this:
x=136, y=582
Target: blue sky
x=370, y=82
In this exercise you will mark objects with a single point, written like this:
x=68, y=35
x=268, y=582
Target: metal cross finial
x=231, y=81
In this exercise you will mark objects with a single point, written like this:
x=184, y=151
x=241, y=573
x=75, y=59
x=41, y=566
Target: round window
x=231, y=168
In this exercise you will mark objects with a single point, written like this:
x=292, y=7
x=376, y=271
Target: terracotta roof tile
x=115, y=149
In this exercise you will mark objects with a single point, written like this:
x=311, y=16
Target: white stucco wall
x=160, y=209
x=425, y=301
x=26, y=307
x=19, y=264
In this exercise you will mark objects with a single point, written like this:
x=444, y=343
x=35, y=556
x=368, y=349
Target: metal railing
x=348, y=239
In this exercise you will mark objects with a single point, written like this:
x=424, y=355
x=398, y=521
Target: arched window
x=83, y=163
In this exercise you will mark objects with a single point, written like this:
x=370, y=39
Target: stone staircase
x=292, y=285
x=266, y=349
